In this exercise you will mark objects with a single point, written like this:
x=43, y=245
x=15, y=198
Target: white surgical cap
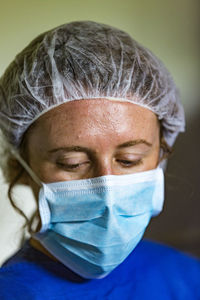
x=85, y=60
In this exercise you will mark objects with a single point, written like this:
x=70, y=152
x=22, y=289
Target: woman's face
x=91, y=138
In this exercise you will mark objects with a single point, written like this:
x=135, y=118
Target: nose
x=103, y=168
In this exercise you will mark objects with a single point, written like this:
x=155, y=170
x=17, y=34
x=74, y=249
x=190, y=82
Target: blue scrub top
x=151, y=271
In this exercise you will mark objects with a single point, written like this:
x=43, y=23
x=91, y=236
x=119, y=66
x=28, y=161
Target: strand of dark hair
x=10, y=196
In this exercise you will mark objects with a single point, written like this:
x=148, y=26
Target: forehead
x=92, y=117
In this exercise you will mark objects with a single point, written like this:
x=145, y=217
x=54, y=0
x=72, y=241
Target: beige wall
x=168, y=28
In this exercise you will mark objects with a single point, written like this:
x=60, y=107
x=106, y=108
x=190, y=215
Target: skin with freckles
x=90, y=138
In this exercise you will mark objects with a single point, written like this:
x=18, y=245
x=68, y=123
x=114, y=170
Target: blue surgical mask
x=92, y=225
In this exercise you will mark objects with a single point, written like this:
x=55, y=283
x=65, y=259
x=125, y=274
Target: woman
x=94, y=165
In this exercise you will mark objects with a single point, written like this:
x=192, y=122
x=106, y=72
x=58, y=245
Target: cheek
x=152, y=162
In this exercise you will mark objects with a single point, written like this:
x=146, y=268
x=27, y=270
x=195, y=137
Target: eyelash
x=129, y=163
x=125, y=163
x=70, y=167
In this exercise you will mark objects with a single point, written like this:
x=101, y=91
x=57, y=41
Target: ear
x=165, y=149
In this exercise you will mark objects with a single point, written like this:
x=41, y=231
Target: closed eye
x=71, y=166
x=129, y=163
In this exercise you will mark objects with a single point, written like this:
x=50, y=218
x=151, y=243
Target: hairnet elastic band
x=132, y=101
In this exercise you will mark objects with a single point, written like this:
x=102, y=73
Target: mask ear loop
x=26, y=166
x=15, y=153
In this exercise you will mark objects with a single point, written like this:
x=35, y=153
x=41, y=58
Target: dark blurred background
x=179, y=223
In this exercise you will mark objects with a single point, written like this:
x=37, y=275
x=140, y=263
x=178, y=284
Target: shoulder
x=160, y=255
x=30, y=274
x=15, y=281
x=38, y=281
x=164, y=254
x=166, y=269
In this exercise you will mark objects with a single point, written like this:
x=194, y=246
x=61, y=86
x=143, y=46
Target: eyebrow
x=87, y=150
x=135, y=142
